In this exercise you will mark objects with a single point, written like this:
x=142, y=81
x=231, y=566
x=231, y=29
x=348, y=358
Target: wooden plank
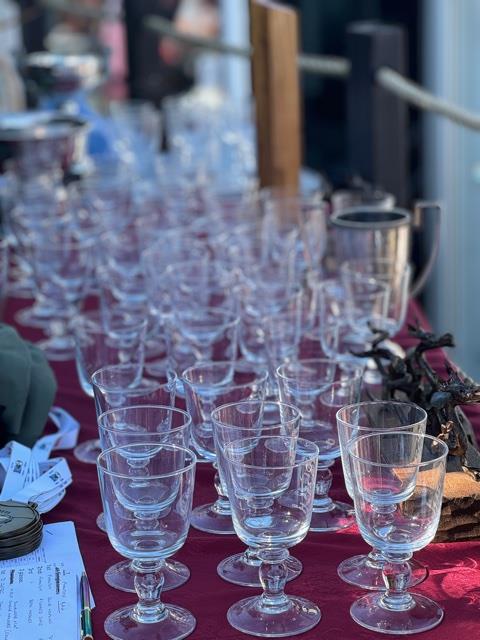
x=274, y=36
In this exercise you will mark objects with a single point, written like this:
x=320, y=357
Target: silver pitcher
x=375, y=232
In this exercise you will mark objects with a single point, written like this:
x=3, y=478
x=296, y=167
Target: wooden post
x=377, y=121
x=274, y=35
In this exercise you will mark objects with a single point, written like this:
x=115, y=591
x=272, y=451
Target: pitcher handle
x=418, y=222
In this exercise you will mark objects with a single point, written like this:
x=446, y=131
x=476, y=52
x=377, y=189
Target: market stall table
x=454, y=580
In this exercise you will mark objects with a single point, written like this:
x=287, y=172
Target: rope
x=419, y=97
x=331, y=66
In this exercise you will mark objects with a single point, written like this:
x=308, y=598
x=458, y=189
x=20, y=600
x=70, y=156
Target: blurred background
x=443, y=50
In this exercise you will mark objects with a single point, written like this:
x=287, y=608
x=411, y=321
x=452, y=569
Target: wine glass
x=271, y=482
x=63, y=264
x=241, y=420
x=398, y=481
x=153, y=484
x=133, y=423
x=360, y=419
x=97, y=344
x=115, y=386
x=200, y=334
x=209, y=385
x=318, y=388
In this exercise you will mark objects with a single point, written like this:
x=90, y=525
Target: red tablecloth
x=454, y=579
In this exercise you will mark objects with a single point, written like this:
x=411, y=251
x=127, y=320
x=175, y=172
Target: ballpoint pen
x=86, y=610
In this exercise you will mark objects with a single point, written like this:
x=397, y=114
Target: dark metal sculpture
x=412, y=378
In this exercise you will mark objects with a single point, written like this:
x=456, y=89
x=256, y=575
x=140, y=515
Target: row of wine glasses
x=269, y=472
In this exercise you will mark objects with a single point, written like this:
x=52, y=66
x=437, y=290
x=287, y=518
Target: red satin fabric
x=454, y=580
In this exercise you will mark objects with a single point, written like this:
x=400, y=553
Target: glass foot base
x=29, y=317
x=120, y=576
x=21, y=288
x=249, y=617
x=57, y=350
x=177, y=624
x=101, y=522
x=340, y=517
x=238, y=570
x=425, y=614
x=207, y=518
x=360, y=572
x=88, y=451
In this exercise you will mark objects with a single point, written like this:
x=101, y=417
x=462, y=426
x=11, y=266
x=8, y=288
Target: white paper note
x=38, y=602
x=38, y=591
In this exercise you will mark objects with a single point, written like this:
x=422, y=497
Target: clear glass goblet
x=398, y=491
x=63, y=266
x=116, y=386
x=97, y=344
x=137, y=423
x=209, y=385
x=153, y=484
x=200, y=334
x=357, y=420
x=271, y=481
x=319, y=388
x=241, y=420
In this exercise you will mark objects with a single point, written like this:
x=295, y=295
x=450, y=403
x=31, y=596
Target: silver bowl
x=39, y=139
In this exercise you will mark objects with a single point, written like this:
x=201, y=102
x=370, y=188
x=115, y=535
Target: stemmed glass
x=200, y=334
x=271, y=481
x=243, y=420
x=319, y=388
x=398, y=490
x=63, y=263
x=115, y=386
x=138, y=423
x=209, y=385
x=153, y=485
x=97, y=344
x=361, y=419
x=398, y=278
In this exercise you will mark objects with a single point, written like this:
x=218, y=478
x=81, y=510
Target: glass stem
x=222, y=503
x=273, y=574
x=250, y=556
x=396, y=576
x=148, y=585
x=322, y=501
x=375, y=559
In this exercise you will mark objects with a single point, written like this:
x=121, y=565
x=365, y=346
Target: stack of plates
x=21, y=529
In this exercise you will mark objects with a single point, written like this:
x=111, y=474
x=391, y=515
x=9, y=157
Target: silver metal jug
x=379, y=233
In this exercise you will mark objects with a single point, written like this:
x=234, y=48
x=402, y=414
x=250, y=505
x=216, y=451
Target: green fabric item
x=27, y=389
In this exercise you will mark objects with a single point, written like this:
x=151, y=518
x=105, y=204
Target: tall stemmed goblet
x=398, y=491
x=137, y=423
x=153, y=484
x=63, y=266
x=209, y=385
x=338, y=338
x=243, y=420
x=398, y=278
x=115, y=386
x=354, y=421
x=367, y=301
x=319, y=388
x=271, y=481
x=200, y=334
x=121, y=341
